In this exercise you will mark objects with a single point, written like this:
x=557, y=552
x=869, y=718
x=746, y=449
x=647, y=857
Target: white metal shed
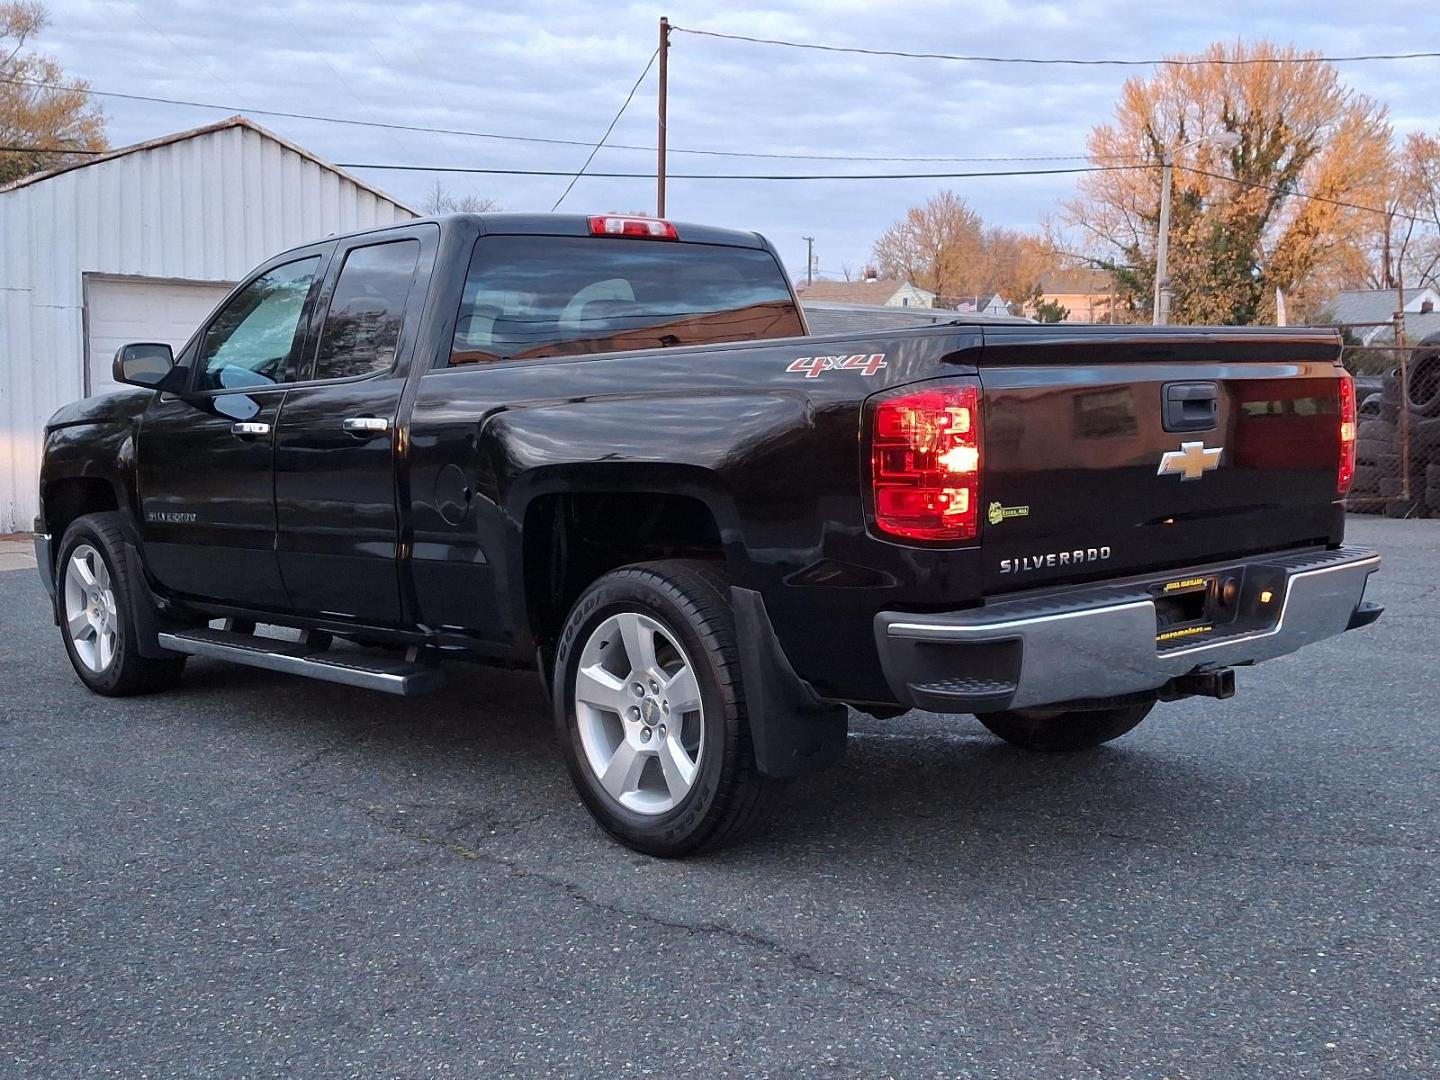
x=140, y=244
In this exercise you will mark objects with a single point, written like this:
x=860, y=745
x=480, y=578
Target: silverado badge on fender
x=1192, y=461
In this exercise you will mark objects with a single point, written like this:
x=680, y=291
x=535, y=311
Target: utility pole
x=1162, y=244
x=809, y=259
x=1226, y=140
x=1404, y=365
x=660, y=135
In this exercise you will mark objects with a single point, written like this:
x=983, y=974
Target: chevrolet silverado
x=607, y=448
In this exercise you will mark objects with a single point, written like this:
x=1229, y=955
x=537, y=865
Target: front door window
x=251, y=341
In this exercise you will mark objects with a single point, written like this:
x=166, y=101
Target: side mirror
x=147, y=364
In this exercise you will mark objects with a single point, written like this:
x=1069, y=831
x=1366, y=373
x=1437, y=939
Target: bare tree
x=936, y=246
x=1420, y=185
x=440, y=200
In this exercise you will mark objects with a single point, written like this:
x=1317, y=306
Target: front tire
x=97, y=613
x=650, y=711
x=1048, y=731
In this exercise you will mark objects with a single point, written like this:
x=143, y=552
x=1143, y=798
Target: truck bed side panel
x=772, y=452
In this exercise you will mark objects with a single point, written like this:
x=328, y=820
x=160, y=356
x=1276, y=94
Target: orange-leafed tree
x=1240, y=226
x=945, y=247
x=39, y=106
x=936, y=246
x=1015, y=261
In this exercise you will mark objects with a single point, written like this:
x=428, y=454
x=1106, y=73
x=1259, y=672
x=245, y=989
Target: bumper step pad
x=961, y=694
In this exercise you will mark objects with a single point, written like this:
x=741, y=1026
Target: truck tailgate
x=1136, y=455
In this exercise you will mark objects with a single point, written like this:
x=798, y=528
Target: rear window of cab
x=528, y=297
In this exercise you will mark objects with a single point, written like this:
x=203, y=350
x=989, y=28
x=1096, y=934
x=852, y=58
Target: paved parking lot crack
x=798, y=958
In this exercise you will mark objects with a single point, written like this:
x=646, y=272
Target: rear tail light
x=1347, y=435
x=925, y=463
x=645, y=228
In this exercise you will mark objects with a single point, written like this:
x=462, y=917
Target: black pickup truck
x=606, y=448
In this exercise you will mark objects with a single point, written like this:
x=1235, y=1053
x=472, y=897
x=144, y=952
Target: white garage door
x=121, y=311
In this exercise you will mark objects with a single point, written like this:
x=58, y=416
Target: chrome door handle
x=365, y=425
x=249, y=429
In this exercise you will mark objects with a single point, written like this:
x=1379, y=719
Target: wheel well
x=571, y=539
x=66, y=500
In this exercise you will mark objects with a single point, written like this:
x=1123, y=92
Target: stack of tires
x=1422, y=401
x=1376, y=444
x=1379, y=485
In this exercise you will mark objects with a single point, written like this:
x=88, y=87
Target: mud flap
x=793, y=730
x=143, y=609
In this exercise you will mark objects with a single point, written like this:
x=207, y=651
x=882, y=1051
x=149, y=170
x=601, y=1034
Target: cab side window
x=367, y=310
x=252, y=341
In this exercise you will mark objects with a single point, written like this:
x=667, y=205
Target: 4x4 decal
x=813, y=366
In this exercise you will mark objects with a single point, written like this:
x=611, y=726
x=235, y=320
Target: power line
x=391, y=167
x=806, y=176
x=743, y=176
x=325, y=59
x=624, y=105
x=1304, y=195
x=811, y=176
x=47, y=150
x=890, y=176
x=319, y=118
x=157, y=100
x=1100, y=62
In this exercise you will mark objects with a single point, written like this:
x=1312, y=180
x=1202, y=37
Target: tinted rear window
x=533, y=296
x=362, y=329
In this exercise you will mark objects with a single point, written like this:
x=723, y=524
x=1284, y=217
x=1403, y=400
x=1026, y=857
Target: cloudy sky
x=560, y=69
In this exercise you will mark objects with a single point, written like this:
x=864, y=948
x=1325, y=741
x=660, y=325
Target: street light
x=1226, y=140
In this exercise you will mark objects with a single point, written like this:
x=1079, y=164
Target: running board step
x=386, y=674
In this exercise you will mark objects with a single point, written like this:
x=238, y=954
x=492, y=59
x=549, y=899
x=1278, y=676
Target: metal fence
x=1397, y=452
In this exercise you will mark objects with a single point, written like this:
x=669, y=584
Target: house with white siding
x=1370, y=313
x=141, y=244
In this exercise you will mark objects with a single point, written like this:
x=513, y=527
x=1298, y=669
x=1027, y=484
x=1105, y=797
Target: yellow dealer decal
x=998, y=513
x=1189, y=631
x=1188, y=583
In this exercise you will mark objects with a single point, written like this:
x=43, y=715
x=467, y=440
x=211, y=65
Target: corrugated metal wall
x=207, y=208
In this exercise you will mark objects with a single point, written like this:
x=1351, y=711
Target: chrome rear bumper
x=1101, y=642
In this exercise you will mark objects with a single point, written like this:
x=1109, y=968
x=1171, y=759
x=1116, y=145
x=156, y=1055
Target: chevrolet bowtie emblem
x=1191, y=461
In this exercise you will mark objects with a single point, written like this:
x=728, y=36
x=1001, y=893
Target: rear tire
x=669, y=769
x=1061, y=732
x=97, y=612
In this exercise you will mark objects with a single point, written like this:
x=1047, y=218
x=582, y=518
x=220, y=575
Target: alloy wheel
x=641, y=720
x=91, y=614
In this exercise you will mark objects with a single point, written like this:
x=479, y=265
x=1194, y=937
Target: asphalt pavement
x=259, y=876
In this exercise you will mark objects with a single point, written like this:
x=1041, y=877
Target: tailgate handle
x=1191, y=406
